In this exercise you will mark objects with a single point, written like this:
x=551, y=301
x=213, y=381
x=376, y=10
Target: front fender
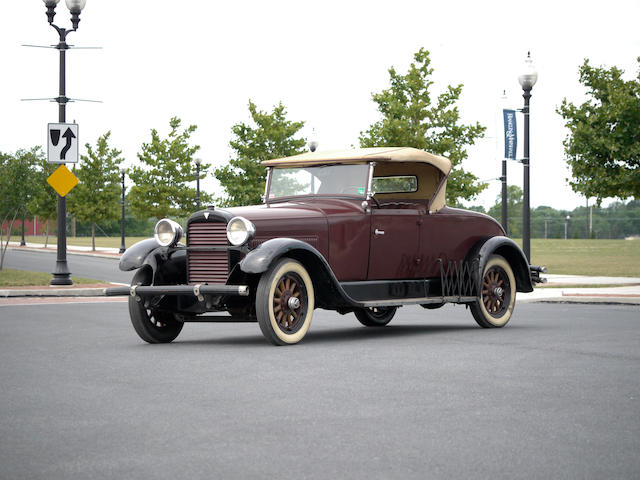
x=134, y=256
x=329, y=292
x=260, y=258
x=168, y=265
x=508, y=249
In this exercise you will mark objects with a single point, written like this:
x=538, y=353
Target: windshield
x=320, y=180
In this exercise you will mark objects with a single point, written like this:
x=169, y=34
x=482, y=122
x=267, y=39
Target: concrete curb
x=54, y=292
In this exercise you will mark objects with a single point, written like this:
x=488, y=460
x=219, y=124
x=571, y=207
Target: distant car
x=360, y=231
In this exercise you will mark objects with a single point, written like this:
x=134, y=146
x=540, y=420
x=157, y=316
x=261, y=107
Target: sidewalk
x=71, y=249
x=574, y=289
x=558, y=289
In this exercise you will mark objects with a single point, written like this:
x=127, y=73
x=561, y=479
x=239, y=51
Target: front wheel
x=152, y=326
x=285, y=302
x=375, y=316
x=497, y=297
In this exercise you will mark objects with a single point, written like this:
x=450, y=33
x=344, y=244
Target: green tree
x=17, y=181
x=514, y=210
x=96, y=198
x=603, y=145
x=44, y=202
x=161, y=188
x=270, y=136
x=16, y=190
x=410, y=118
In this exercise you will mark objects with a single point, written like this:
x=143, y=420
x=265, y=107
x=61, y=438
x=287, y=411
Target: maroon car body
x=363, y=231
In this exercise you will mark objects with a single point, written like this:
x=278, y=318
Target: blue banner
x=510, y=134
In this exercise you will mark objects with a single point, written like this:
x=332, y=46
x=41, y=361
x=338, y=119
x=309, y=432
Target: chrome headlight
x=240, y=231
x=167, y=232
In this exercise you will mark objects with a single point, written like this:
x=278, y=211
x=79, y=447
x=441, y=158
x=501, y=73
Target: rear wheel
x=494, y=305
x=375, y=316
x=151, y=325
x=285, y=302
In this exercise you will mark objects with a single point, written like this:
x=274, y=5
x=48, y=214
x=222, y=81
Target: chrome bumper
x=199, y=290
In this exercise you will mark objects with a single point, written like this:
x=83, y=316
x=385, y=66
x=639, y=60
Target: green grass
x=610, y=258
x=22, y=278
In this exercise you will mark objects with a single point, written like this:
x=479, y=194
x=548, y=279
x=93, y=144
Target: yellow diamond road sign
x=62, y=180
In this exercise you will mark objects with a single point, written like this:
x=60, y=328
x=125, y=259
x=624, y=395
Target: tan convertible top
x=358, y=155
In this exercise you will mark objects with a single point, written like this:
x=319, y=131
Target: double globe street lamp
x=527, y=81
x=61, y=274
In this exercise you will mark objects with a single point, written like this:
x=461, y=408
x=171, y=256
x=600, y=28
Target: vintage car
x=361, y=231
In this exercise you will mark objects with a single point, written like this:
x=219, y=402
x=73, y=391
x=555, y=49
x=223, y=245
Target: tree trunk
x=3, y=250
x=93, y=237
x=46, y=239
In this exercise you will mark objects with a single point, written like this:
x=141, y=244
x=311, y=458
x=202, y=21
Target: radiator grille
x=210, y=266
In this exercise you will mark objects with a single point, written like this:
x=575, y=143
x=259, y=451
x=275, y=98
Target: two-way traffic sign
x=62, y=143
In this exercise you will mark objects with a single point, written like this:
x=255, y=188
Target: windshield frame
x=367, y=183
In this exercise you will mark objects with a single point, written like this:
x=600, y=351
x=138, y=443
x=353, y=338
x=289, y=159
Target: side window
x=395, y=184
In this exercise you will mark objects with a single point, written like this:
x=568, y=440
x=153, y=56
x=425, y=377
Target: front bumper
x=199, y=290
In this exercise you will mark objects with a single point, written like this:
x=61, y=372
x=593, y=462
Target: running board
x=417, y=301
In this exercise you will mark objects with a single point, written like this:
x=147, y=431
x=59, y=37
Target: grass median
x=606, y=258
x=23, y=278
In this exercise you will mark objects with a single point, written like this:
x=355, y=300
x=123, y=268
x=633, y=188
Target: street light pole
x=122, y=246
x=198, y=162
x=527, y=81
x=22, y=242
x=61, y=274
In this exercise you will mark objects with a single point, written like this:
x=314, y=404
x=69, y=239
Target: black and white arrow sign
x=62, y=142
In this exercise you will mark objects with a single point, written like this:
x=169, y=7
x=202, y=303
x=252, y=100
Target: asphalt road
x=86, y=266
x=555, y=394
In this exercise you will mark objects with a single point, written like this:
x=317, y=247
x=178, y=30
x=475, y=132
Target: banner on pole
x=510, y=134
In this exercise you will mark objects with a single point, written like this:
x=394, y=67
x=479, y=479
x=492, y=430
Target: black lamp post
x=527, y=81
x=198, y=162
x=122, y=246
x=22, y=242
x=61, y=274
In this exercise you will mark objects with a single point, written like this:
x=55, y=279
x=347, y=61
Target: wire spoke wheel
x=497, y=294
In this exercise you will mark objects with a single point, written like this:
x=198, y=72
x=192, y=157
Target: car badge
x=206, y=215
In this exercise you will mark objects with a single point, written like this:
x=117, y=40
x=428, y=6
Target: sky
x=202, y=61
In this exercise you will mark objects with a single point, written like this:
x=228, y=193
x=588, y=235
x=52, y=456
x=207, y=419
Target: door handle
x=379, y=232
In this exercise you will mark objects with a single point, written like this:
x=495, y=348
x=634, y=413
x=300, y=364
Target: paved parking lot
x=553, y=395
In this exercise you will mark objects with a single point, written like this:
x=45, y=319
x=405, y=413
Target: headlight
x=240, y=231
x=167, y=232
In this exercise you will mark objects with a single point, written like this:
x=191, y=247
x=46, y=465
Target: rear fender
x=512, y=253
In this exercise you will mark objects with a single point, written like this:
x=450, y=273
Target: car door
x=394, y=243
